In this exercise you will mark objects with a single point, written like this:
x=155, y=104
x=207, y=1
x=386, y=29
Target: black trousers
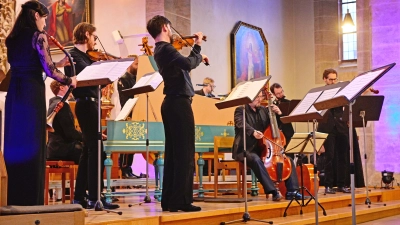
x=87, y=177
x=257, y=165
x=125, y=160
x=178, y=122
x=336, y=152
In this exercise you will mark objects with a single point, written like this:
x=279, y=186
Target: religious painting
x=249, y=53
x=63, y=17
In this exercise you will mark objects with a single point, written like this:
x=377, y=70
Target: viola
x=96, y=55
x=277, y=165
x=184, y=41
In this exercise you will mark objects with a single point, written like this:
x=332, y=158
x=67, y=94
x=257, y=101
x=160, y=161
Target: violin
x=184, y=41
x=277, y=165
x=96, y=55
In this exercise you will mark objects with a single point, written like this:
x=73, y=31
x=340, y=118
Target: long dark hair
x=26, y=17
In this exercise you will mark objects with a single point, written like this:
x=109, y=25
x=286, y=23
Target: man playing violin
x=86, y=110
x=257, y=120
x=177, y=115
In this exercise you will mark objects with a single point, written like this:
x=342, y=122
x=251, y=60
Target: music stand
x=287, y=107
x=147, y=83
x=299, y=144
x=305, y=111
x=365, y=108
x=347, y=96
x=244, y=93
x=99, y=74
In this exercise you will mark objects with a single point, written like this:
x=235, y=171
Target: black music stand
x=299, y=144
x=244, y=93
x=347, y=96
x=287, y=107
x=100, y=74
x=305, y=112
x=365, y=108
x=147, y=83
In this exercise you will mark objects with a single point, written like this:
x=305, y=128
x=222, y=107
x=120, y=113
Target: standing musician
x=86, y=110
x=336, y=145
x=177, y=115
x=257, y=120
x=28, y=53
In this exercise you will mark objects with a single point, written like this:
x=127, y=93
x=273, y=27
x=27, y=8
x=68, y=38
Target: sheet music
x=153, y=79
x=327, y=94
x=305, y=105
x=246, y=89
x=358, y=83
x=111, y=70
x=127, y=109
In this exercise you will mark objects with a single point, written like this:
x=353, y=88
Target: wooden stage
x=336, y=206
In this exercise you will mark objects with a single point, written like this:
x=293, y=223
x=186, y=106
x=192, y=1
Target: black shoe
x=290, y=195
x=329, y=190
x=185, y=208
x=164, y=209
x=83, y=203
x=106, y=205
x=277, y=197
x=343, y=189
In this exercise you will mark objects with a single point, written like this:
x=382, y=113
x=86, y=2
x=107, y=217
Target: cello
x=277, y=165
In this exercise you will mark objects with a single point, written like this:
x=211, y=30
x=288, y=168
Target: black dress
x=25, y=116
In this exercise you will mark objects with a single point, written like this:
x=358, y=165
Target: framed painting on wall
x=63, y=17
x=249, y=50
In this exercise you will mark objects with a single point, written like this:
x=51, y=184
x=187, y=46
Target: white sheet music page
x=307, y=102
x=156, y=80
x=358, y=83
x=142, y=81
x=111, y=70
x=250, y=88
x=127, y=109
x=327, y=94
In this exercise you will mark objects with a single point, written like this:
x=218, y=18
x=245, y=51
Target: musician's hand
x=199, y=38
x=205, y=59
x=103, y=137
x=63, y=62
x=74, y=81
x=257, y=134
x=276, y=110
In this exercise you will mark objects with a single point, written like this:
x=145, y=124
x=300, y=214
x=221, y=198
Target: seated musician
x=208, y=88
x=65, y=143
x=128, y=80
x=257, y=120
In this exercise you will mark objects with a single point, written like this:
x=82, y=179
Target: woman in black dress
x=25, y=118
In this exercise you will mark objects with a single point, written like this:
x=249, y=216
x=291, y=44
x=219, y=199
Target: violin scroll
x=373, y=90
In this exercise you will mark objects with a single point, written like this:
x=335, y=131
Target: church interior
x=293, y=42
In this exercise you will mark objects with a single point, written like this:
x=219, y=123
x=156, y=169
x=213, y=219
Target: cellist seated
x=257, y=120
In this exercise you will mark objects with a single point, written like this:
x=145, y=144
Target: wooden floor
x=336, y=206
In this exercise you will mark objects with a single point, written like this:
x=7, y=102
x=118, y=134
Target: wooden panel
x=66, y=218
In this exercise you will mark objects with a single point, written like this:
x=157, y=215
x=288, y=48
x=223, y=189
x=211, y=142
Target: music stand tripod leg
x=246, y=216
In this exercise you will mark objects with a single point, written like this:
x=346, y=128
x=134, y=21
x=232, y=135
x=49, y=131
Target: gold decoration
x=106, y=103
x=198, y=133
x=134, y=131
x=7, y=20
x=225, y=133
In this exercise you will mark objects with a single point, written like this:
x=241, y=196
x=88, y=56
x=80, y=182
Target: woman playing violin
x=86, y=111
x=257, y=120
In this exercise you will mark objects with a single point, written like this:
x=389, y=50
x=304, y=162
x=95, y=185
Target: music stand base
x=369, y=203
x=302, y=201
x=99, y=207
x=245, y=218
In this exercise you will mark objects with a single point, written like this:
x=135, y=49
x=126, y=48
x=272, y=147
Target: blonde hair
x=208, y=80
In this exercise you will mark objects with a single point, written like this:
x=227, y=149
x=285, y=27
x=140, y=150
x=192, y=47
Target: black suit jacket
x=65, y=135
x=201, y=92
x=251, y=141
x=287, y=128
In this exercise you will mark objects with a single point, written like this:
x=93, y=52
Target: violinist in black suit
x=65, y=143
x=208, y=88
